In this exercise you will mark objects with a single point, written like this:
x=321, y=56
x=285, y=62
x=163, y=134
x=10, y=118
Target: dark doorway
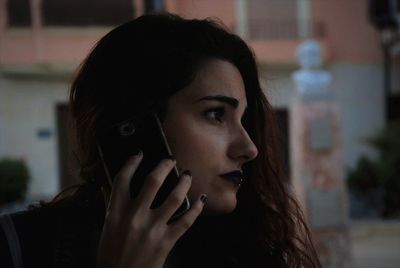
x=283, y=128
x=68, y=163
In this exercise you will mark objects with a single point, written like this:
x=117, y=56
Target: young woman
x=203, y=83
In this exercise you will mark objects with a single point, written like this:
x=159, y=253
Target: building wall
x=28, y=105
x=358, y=90
x=350, y=44
x=351, y=37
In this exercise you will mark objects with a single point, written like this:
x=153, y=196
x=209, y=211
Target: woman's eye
x=215, y=114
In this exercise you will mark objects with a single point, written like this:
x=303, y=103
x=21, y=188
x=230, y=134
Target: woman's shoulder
x=26, y=234
x=48, y=234
x=43, y=221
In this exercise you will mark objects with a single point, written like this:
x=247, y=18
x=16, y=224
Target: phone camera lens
x=127, y=129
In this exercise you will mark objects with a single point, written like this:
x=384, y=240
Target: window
x=19, y=13
x=86, y=12
x=279, y=19
x=273, y=19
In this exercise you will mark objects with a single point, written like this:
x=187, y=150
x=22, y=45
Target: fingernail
x=171, y=157
x=137, y=152
x=187, y=172
x=203, y=198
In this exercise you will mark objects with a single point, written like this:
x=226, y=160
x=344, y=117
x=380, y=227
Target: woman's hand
x=135, y=236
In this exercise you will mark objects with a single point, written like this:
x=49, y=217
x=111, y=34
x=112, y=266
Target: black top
x=67, y=236
x=54, y=237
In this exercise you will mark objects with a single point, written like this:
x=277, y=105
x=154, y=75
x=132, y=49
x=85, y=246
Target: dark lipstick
x=235, y=176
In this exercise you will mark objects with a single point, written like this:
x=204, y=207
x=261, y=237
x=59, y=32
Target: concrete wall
x=357, y=89
x=27, y=105
x=359, y=92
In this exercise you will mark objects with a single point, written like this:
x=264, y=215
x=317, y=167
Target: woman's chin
x=220, y=206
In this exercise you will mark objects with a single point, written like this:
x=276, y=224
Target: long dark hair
x=148, y=60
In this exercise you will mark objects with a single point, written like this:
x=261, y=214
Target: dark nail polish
x=187, y=172
x=171, y=157
x=137, y=151
x=203, y=198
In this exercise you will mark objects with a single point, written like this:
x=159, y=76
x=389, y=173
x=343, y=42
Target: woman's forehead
x=216, y=77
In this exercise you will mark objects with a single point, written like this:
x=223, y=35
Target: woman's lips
x=235, y=177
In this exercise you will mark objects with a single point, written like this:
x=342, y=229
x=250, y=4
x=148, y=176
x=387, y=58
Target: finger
x=175, y=198
x=120, y=189
x=179, y=227
x=153, y=182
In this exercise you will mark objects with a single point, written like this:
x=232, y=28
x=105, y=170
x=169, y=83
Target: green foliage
x=14, y=179
x=382, y=174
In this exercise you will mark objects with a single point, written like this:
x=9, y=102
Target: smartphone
x=118, y=142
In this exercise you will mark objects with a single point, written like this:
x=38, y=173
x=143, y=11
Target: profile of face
x=203, y=126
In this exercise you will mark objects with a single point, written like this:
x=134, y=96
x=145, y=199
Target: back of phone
x=142, y=132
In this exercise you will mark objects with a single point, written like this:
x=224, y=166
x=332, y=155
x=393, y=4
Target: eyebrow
x=229, y=100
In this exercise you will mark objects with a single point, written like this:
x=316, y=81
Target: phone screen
x=144, y=132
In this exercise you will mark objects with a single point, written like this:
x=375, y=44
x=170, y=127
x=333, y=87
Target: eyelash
x=220, y=111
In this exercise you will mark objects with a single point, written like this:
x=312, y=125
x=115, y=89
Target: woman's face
x=204, y=130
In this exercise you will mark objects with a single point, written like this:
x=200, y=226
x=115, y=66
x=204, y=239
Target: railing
x=264, y=29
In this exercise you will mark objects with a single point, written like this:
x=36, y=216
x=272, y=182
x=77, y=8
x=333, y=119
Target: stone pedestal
x=318, y=178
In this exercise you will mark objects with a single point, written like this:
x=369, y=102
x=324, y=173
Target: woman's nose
x=242, y=147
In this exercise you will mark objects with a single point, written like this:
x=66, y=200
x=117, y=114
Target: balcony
x=275, y=41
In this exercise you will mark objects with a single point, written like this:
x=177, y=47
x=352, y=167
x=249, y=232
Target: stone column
x=317, y=171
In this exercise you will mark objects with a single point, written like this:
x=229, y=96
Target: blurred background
x=341, y=142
